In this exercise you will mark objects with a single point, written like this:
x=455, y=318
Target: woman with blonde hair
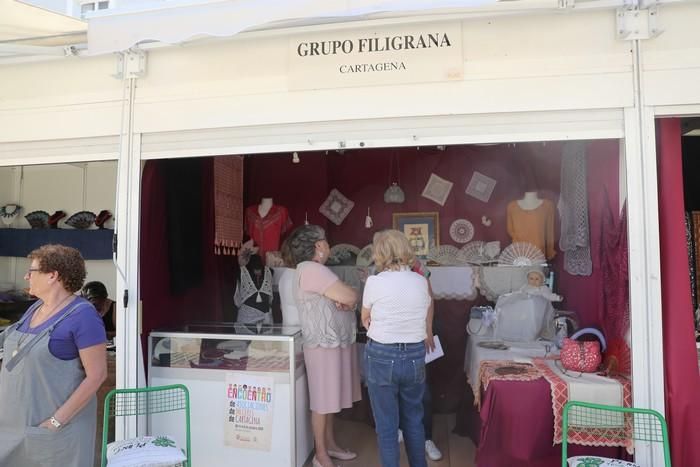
x=394, y=310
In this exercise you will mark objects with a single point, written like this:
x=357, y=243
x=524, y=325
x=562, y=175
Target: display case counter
x=248, y=391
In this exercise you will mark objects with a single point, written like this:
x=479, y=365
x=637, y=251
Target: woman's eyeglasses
x=31, y=270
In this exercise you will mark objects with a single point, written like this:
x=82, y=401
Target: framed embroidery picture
x=421, y=228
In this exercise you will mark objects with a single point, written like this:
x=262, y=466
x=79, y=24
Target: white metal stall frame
x=148, y=116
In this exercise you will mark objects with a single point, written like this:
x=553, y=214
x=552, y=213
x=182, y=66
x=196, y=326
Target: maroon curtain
x=682, y=379
x=211, y=295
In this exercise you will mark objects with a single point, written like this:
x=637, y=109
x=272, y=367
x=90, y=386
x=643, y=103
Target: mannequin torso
x=264, y=206
x=530, y=201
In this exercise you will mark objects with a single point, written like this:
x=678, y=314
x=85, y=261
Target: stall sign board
x=249, y=405
x=388, y=55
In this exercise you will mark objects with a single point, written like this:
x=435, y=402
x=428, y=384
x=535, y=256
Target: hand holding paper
x=436, y=353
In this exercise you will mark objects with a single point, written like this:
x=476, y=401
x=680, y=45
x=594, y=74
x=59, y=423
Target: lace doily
x=461, y=231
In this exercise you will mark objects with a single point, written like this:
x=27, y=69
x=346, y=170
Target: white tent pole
x=644, y=263
x=130, y=367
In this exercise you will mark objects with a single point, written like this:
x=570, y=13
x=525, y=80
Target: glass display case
x=248, y=391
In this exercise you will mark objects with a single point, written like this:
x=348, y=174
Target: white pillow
x=585, y=461
x=145, y=451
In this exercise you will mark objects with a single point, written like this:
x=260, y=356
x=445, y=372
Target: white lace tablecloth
x=448, y=282
x=453, y=282
x=494, y=281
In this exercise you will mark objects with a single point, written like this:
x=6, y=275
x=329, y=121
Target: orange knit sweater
x=534, y=226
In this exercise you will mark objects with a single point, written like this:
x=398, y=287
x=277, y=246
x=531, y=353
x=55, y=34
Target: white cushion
x=595, y=461
x=145, y=451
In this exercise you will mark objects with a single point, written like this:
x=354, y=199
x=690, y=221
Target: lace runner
x=574, y=239
x=228, y=204
x=589, y=436
x=503, y=370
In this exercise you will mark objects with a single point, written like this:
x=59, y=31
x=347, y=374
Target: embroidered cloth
x=574, y=239
x=588, y=436
x=228, y=204
x=267, y=231
x=503, y=370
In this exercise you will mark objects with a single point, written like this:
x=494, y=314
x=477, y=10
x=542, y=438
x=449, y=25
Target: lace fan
x=445, y=255
x=521, y=254
x=342, y=254
x=472, y=252
x=365, y=256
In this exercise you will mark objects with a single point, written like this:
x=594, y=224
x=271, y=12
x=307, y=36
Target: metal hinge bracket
x=634, y=23
x=131, y=64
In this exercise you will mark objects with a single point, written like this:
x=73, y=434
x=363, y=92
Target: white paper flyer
x=249, y=404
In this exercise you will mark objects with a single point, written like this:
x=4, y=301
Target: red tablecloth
x=515, y=427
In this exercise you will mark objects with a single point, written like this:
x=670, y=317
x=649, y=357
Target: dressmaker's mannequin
x=531, y=220
x=530, y=201
x=265, y=223
x=264, y=206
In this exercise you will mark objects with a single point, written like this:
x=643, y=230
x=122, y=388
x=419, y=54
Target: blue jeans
x=396, y=380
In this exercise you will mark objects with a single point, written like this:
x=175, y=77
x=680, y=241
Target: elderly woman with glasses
x=326, y=312
x=54, y=363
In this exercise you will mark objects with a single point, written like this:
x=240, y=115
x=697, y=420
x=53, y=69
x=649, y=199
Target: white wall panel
x=64, y=98
x=455, y=129
x=59, y=151
x=671, y=61
x=512, y=64
x=539, y=62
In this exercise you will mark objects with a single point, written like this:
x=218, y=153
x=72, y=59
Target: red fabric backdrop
x=682, y=379
x=363, y=176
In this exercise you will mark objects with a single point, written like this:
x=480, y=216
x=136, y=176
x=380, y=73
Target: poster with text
x=249, y=404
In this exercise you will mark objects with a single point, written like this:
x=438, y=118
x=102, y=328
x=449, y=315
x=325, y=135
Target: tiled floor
x=360, y=437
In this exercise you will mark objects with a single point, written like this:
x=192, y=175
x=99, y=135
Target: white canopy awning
x=30, y=30
x=117, y=31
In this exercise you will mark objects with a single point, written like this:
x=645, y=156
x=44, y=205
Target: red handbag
x=581, y=356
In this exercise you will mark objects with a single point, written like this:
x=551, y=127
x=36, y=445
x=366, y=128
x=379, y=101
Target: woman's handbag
x=581, y=356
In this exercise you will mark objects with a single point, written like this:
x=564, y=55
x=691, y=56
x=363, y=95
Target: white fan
x=521, y=254
x=342, y=253
x=492, y=249
x=472, y=253
x=445, y=255
x=364, y=257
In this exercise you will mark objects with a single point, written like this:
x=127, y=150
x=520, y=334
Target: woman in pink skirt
x=326, y=313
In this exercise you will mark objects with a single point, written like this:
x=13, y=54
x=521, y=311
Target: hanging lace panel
x=574, y=239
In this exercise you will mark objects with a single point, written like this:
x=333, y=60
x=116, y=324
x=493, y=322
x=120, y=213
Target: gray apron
x=33, y=385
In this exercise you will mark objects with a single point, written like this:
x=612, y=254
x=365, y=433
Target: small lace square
x=481, y=187
x=336, y=207
x=437, y=189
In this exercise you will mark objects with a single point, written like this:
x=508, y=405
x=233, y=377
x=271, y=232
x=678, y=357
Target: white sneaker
x=400, y=436
x=432, y=451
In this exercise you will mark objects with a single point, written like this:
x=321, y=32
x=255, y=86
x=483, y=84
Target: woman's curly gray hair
x=65, y=260
x=300, y=245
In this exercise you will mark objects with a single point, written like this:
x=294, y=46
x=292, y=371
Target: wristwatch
x=55, y=423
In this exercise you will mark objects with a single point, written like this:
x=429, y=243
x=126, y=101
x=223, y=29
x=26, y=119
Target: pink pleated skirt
x=334, y=378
